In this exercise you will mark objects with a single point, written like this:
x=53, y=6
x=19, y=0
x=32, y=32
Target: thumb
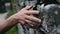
x=27, y=8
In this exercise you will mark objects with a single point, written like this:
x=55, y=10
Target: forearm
x=7, y=24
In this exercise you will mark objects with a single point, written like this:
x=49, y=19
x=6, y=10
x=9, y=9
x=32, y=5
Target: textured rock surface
x=49, y=15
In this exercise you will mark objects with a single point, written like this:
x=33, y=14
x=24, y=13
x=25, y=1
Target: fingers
x=32, y=12
x=27, y=8
x=26, y=11
x=38, y=21
x=22, y=22
x=28, y=21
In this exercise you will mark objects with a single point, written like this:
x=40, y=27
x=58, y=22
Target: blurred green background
x=9, y=9
x=14, y=29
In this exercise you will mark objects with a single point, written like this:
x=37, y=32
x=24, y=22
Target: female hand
x=24, y=16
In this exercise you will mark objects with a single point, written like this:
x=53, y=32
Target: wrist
x=12, y=19
x=7, y=24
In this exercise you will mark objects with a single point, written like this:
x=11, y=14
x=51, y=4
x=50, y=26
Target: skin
x=22, y=16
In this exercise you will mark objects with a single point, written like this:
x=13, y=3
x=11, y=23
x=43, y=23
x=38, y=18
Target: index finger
x=27, y=7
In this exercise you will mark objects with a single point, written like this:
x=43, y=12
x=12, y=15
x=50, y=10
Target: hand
x=23, y=16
